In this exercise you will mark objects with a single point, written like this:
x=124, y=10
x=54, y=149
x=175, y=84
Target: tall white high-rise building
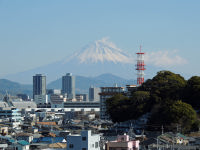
x=94, y=94
x=68, y=86
x=39, y=85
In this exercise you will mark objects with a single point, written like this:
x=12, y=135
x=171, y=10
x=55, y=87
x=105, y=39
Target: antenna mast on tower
x=140, y=67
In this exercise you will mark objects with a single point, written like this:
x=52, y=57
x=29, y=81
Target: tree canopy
x=162, y=96
x=117, y=108
x=121, y=108
x=175, y=113
x=165, y=85
x=192, y=91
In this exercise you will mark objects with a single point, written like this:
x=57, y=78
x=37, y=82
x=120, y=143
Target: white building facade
x=41, y=99
x=94, y=94
x=106, y=93
x=57, y=101
x=85, y=141
x=11, y=113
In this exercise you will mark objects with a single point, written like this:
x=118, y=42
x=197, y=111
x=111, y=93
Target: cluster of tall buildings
x=68, y=85
x=67, y=98
x=67, y=92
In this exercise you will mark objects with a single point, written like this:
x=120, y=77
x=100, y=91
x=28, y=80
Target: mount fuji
x=99, y=57
x=100, y=51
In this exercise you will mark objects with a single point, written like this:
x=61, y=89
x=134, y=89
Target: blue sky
x=35, y=33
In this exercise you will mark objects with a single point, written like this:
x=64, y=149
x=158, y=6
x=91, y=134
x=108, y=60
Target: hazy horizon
x=37, y=33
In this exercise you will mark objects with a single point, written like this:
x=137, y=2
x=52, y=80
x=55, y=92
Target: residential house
x=25, y=136
x=123, y=142
x=84, y=141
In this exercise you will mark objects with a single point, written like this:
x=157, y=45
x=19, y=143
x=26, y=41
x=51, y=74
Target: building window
x=96, y=144
x=71, y=145
x=83, y=148
x=84, y=138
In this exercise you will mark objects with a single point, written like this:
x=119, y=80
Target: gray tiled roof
x=24, y=104
x=3, y=104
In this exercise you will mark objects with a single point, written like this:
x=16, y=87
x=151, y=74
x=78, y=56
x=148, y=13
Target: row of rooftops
x=20, y=104
x=30, y=104
x=114, y=90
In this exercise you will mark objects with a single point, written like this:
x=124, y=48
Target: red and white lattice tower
x=140, y=67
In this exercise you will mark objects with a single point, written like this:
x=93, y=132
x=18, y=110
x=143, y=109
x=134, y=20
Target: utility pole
x=162, y=130
x=143, y=135
x=177, y=128
x=157, y=143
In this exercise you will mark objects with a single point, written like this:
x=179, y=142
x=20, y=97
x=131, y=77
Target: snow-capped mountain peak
x=101, y=51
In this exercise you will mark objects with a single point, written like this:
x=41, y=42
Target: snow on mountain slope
x=101, y=51
x=99, y=57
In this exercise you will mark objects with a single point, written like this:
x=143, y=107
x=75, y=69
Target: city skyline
x=37, y=33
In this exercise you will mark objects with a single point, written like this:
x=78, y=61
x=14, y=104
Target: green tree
x=121, y=108
x=165, y=85
x=139, y=104
x=117, y=108
x=140, y=96
x=161, y=96
x=173, y=113
x=192, y=91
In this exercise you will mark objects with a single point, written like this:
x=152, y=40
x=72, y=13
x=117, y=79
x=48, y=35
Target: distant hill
x=14, y=88
x=83, y=83
x=96, y=58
